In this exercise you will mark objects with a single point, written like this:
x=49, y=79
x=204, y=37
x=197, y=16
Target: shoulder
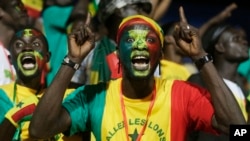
x=7, y=89
x=86, y=90
x=190, y=90
x=187, y=86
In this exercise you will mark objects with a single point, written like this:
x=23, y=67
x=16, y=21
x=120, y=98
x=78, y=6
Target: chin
x=140, y=77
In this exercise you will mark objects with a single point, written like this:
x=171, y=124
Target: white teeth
x=140, y=66
x=140, y=57
x=28, y=65
x=26, y=57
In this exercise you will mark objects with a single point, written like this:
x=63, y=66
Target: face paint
x=28, y=33
x=29, y=63
x=30, y=56
x=139, y=50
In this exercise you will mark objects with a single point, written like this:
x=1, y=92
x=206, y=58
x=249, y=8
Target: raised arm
x=7, y=130
x=226, y=108
x=220, y=17
x=159, y=8
x=80, y=43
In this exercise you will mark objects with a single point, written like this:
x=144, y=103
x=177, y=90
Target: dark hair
x=212, y=35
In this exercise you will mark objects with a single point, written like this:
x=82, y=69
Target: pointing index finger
x=182, y=15
x=88, y=19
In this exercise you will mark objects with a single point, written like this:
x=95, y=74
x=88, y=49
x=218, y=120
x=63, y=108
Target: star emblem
x=134, y=136
x=20, y=104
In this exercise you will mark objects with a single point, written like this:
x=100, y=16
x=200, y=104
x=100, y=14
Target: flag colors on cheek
x=139, y=42
x=154, y=47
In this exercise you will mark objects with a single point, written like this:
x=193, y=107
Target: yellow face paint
x=139, y=51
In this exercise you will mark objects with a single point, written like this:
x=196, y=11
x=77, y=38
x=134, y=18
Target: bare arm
x=57, y=119
x=160, y=9
x=7, y=130
x=188, y=39
x=222, y=16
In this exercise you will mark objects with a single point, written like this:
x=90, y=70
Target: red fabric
x=114, y=65
x=27, y=110
x=33, y=12
x=189, y=106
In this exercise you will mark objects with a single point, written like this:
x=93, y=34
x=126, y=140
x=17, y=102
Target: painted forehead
x=138, y=27
x=28, y=33
x=138, y=21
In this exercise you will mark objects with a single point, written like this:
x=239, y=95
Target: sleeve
x=5, y=105
x=76, y=105
x=50, y=16
x=195, y=102
x=200, y=109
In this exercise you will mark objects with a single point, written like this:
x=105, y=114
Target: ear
x=48, y=54
x=219, y=47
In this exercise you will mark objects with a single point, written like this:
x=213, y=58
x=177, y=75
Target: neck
x=137, y=89
x=32, y=84
x=225, y=72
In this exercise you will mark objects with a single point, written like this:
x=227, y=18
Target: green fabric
x=90, y=103
x=244, y=69
x=55, y=25
x=5, y=104
x=99, y=64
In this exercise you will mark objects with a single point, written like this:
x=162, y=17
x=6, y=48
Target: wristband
x=23, y=110
x=203, y=60
x=68, y=62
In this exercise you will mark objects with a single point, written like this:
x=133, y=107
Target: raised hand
x=220, y=17
x=227, y=12
x=187, y=37
x=81, y=42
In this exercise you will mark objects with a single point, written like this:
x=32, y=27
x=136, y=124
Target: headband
x=140, y=20
x=212, y=35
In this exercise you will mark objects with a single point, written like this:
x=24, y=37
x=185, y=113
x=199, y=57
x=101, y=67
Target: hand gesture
x=187, y=37
x=220, y=17
x=227, y=12
x=81, y=42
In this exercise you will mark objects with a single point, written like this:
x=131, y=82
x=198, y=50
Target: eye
x=36, y=44
x=130, y=40
x=150, y=40
x=19, y=45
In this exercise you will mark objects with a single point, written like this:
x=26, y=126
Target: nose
x=244, y=42
x=141, y=44
x=28, y=48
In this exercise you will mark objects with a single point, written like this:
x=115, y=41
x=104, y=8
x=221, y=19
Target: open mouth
x=140, y=63
x=28, y=62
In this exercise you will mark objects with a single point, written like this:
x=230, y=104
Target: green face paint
x=139, y=51
x=29, y=63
